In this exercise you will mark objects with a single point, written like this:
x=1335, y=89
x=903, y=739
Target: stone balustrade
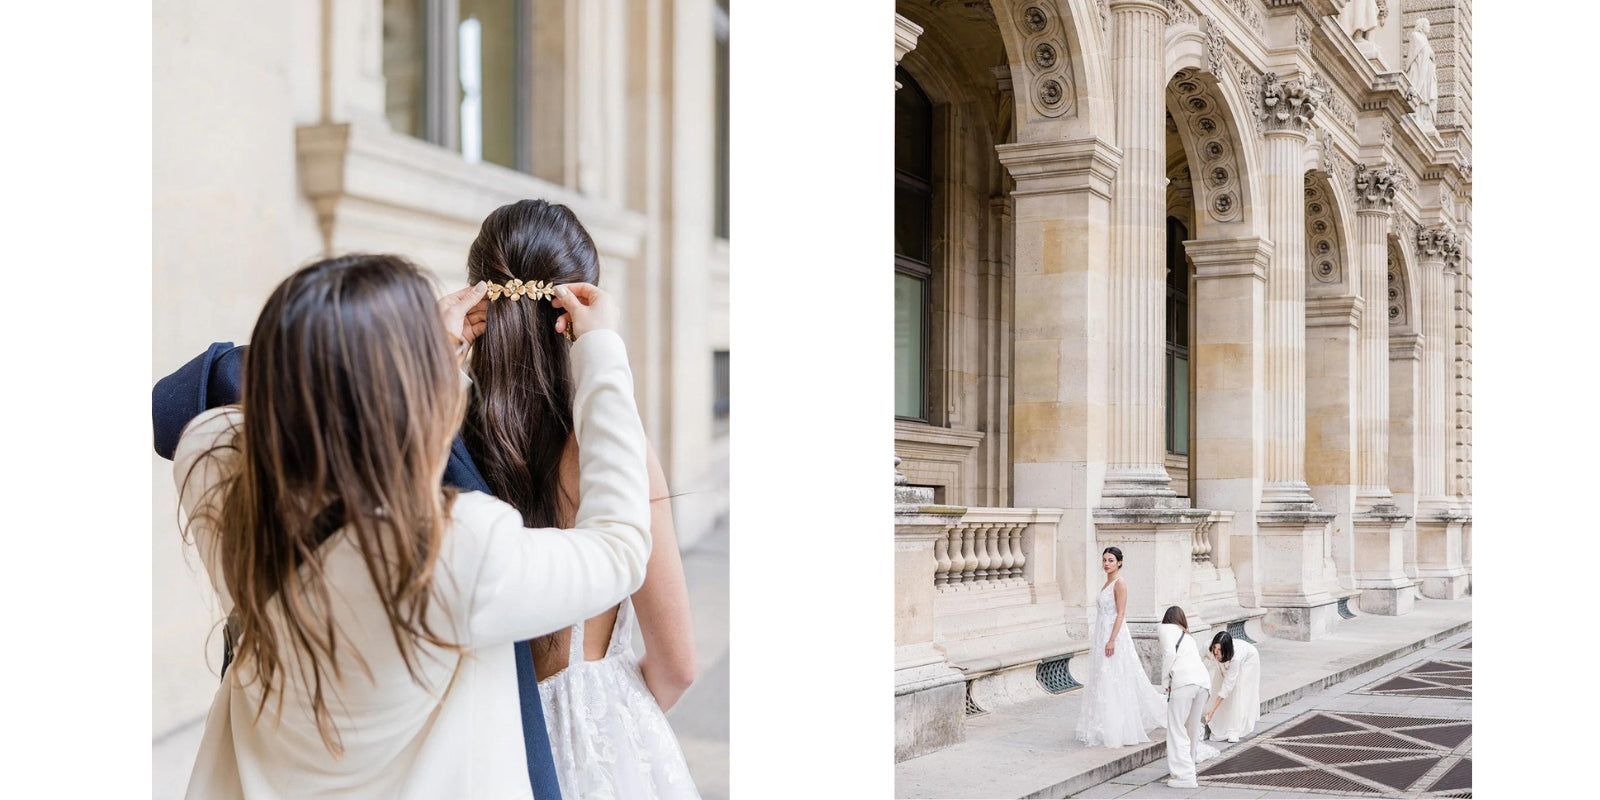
x=988, y=548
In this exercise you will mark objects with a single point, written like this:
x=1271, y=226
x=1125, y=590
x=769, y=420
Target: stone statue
x=1421, y=72
x=1363, y=18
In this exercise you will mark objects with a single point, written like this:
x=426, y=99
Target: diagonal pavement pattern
x=1401, y=730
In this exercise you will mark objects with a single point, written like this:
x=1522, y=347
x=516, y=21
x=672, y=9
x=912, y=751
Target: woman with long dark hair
x=375, y=611
x=1120, y=706
x=1236, y=690
x=603, y=707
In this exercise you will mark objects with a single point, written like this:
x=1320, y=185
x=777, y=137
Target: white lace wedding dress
x=609, y=738
x=1120, y=705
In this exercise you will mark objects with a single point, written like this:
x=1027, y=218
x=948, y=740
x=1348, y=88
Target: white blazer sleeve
x=204, y=458
x=1168, y=635
x=1230, y=675
x=530, y=583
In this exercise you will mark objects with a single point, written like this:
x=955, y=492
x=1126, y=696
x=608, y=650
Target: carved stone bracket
x=1289, y=105
x=1375, y=187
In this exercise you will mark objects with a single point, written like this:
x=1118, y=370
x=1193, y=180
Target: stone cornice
x=1406, y=346
x=1340, y=311
x=905, y=36
x=1078, y=165
x=1244, y=256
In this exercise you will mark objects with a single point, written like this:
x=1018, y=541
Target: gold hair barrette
x=515, y=290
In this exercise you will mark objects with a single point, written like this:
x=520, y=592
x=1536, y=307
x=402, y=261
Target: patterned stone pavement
x=1402, y=730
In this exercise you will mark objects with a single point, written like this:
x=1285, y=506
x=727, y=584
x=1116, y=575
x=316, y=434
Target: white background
x=812, y=438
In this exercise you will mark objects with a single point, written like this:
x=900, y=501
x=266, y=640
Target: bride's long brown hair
x=521, y=416
x=351, y=397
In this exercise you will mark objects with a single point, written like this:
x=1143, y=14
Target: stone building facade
x=1188, y=277
x=289, y=131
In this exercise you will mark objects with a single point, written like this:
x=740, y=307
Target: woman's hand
x=588, y=309
x=1111, y=647
x=463, y=312
x=1207, y=717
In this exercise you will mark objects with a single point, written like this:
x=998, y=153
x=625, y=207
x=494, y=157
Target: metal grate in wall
x=1236, y=630
x=1055, y=677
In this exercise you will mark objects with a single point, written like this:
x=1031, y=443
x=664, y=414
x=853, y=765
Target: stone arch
x=1058, y=78
x=1403, y=311
x=955, y=65
x=1328, y=236
x=1220, y=162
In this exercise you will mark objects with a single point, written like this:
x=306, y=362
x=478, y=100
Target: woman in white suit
x=1236, y=690
x=377, y=613
x=1186, y=680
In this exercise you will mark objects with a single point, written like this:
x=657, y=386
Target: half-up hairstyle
x=521, y=417
x=351, y=397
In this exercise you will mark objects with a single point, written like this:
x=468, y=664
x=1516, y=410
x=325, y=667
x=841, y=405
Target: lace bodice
x=609, y=738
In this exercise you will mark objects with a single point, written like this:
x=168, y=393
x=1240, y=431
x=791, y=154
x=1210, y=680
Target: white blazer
x=496, y=583
x=1180, y=659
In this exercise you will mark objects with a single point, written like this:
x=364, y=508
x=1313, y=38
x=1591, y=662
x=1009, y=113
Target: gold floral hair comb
x=515, y=290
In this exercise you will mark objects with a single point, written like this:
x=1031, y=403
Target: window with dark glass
x=913, y=227
x=720, y=218
x=455, y=74
x=1177, y=339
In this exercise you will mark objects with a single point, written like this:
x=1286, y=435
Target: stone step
x=1028, y=750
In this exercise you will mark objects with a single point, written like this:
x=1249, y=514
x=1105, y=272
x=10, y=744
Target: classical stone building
x=1188, y=277
x=289, y=131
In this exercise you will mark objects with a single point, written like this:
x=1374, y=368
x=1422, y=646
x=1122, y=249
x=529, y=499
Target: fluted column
x=1375, y=190
x=1438, y=252
x=1288, y=108
x=1136, y=464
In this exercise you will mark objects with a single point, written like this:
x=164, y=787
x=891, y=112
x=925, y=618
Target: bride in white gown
x=1120, y=705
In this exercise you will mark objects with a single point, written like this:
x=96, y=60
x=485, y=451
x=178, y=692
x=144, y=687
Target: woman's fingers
x=588, y=308
x=455, y=306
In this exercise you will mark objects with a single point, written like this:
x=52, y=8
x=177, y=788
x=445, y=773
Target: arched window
x=913, y=244
x=1177, y=339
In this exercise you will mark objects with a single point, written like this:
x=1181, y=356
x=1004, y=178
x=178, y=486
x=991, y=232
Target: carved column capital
x=1289, y=106
x=1375, y=187
x=1439, y=242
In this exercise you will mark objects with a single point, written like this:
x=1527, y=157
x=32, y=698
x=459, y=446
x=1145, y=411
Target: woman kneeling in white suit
x=1236, y=690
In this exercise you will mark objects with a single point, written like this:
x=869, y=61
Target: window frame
x=1177, y=265
x=441, y=81
x=922, y=270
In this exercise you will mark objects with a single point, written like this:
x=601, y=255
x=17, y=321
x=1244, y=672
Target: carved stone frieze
x=1302, y=35
x=1216, y=46
x=1199, y=109
x=1324, y=261
x=1397, y=291
x=1179, y=14
x=1050, y=87
x=1246, y=11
